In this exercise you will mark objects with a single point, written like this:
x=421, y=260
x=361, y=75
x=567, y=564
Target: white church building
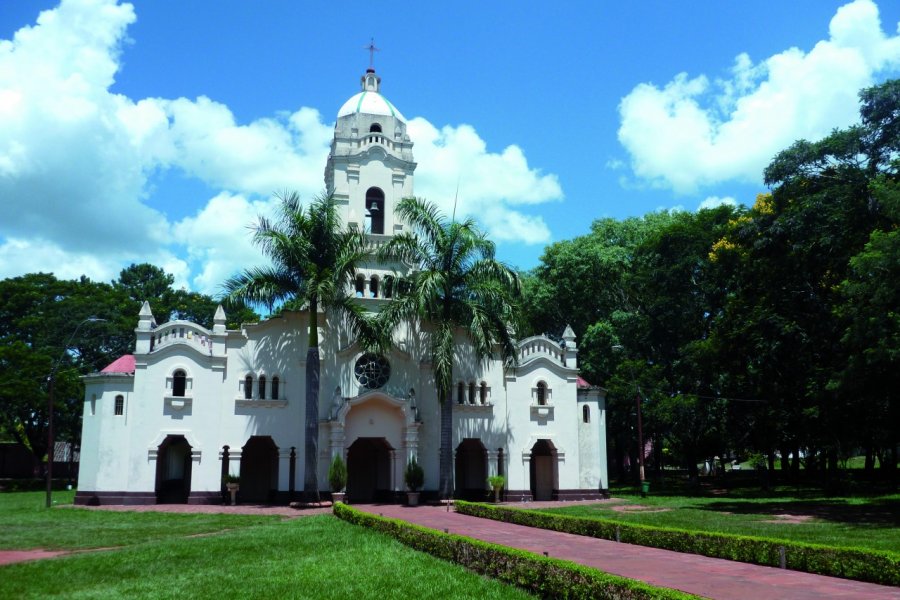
x=191, y=404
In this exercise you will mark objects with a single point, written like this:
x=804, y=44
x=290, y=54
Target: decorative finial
x=372, y=50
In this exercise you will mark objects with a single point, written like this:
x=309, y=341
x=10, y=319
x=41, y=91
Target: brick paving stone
x=709, y=577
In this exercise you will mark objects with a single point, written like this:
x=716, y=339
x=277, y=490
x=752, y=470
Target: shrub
x=414, y=475
x=850, y=563
x=337, y=474
x=546, y=577
x=496, y=481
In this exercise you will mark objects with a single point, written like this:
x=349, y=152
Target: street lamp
x=52, y=381
x=640, y=430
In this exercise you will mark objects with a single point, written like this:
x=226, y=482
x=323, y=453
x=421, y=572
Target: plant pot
x=233, y=490
x=337, y=497
x=412, y=498
x=497, y=491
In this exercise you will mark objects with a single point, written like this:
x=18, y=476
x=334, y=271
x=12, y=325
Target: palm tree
x=455, y=285
x=313, y=260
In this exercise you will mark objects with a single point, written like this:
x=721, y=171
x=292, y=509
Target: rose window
x=372, y=371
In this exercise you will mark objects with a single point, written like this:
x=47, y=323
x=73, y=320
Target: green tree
x=778, y=338
x=38, y=314
x=140, y=282
x=869, y=311
x=313, y=262
x=456, y=286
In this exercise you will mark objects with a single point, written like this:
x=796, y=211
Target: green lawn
x=25, y=523
x=864, y=522
x=310, y=557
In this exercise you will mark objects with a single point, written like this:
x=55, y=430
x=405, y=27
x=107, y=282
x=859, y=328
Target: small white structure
x=192, y=405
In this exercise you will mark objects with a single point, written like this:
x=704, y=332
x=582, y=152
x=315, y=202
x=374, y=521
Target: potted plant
x=232, y=484
x=415, y=478
x=497, y=482
x=337, y=478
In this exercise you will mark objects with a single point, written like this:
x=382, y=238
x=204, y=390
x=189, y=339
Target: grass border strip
x=850, y=563
x=546, y=577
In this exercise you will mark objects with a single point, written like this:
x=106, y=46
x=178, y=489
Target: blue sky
x=156, y=131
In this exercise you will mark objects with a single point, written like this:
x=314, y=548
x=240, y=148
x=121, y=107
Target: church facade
x=190, y=405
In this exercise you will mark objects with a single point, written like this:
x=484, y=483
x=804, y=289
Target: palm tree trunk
x=446, y=484
x=311, y=468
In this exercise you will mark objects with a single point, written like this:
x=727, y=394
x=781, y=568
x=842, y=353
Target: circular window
x=372, y=371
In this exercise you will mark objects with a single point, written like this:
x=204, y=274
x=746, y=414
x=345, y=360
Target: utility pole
x=50, y=391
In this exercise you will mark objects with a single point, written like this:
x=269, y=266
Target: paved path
x=224, y=509
x=709, y=577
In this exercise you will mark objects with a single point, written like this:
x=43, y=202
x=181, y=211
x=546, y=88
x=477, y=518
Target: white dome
x=370, y=103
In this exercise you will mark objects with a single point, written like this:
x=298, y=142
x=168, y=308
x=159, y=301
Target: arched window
x=471, y=392
x=120, y=405
x=375, y=209
x=373, y=286
x=541, y=393
x=460, y=393
x=262, y=387
x=482, y=395
x=388, y=286
x=586, y=413
x=275, y=385
x=248, y=387
x=375, y=127
x=360, y=286
x=179, y=383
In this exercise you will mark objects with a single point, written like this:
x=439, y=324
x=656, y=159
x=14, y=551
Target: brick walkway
x=709, y=577
x=240, y=509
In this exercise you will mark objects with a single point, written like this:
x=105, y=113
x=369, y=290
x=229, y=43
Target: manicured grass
x=311, y=557
x=866, y=522
x=158, y=555
x=26, y=523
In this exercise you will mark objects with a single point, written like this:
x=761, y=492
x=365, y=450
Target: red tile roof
x=581, y=383
x=123, y=364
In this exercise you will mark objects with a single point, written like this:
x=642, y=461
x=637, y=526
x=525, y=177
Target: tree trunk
x=446, y=484
x=311, y=463
x=870, y=462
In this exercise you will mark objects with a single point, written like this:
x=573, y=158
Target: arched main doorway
x=259, y=469
x=369, y=470
x=471, y=470
x=543, y=470
x=173, y=470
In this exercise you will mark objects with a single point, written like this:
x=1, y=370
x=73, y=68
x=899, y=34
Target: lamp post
x=640, y=427
x=52, y=381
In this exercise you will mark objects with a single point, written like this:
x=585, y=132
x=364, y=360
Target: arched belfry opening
x=375, y=209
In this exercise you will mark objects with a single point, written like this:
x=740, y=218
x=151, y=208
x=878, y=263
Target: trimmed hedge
x=546, y=577
x=850, y=563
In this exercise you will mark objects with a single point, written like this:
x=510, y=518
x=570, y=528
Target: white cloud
x=714, y=201
x=218, y=238
x=693, y=133
x=76, y=159
x=67, y=170
x=491, y=185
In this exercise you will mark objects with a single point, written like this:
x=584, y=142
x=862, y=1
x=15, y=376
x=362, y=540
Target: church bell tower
x=370, y=167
